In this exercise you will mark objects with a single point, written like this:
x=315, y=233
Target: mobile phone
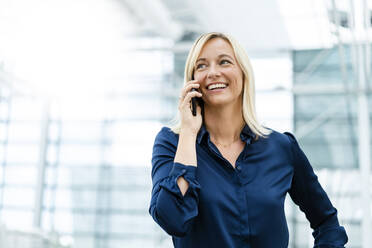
x=193, y=103
x=196, y=100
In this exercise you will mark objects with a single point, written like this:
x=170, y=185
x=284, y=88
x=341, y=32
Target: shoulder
x=283, y=138
x=284, y=141
x=166, y=136
x=287, y=143
x=167, y=132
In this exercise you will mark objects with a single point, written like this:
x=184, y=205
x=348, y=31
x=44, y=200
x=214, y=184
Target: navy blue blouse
x=241, y=207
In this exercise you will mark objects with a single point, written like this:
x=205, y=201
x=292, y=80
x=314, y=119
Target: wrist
x=188, y=133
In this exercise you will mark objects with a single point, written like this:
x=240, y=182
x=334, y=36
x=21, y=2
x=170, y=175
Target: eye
x=200, y=66
x=224, y=62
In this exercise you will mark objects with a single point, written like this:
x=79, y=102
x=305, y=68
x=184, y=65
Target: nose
x=213, y=71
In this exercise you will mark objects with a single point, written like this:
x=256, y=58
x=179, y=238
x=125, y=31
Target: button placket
x=238, y=174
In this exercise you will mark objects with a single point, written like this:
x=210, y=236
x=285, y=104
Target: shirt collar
x=244, y=135
x=201, y=133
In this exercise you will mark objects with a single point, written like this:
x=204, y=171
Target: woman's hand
x=189, y=122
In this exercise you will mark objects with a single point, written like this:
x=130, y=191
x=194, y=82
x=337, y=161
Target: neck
x=224, y=124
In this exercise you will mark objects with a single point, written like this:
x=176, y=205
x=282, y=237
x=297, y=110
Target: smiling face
x=220, y=74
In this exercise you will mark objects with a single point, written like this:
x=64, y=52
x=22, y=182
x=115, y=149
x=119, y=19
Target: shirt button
x=238, y=168
x=183, y=170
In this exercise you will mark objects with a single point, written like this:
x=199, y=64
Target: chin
x=219, y=102
x=223, y=101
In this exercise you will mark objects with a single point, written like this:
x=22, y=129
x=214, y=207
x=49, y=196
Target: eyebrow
x=219, y=56
x=225, y=55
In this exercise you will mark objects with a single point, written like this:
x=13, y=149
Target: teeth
x=213, y=86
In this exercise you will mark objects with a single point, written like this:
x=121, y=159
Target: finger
x=190, y=95
x=190, y=87
x=187, y=100
x=196, y=80
x=192, y=81
x=187, y=89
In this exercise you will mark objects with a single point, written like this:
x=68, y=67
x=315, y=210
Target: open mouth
x=217, y=86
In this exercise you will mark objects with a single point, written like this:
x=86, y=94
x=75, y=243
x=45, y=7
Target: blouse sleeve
x=168, y=207
x=308, y=194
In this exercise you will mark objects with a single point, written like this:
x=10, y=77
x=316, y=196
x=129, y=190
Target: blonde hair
x=249, y=110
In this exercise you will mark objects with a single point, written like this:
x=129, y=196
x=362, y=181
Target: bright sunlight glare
x=63, y=48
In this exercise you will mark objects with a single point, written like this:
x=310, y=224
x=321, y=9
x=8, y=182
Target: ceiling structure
x=265, y=28
x=270, y=25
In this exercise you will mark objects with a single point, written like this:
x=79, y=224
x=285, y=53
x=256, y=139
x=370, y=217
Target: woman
x=220, y=178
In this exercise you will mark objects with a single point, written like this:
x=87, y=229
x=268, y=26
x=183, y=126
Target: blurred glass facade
x=331, y=143
x=96, y=183
x=76, y=172
x=96, y=161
